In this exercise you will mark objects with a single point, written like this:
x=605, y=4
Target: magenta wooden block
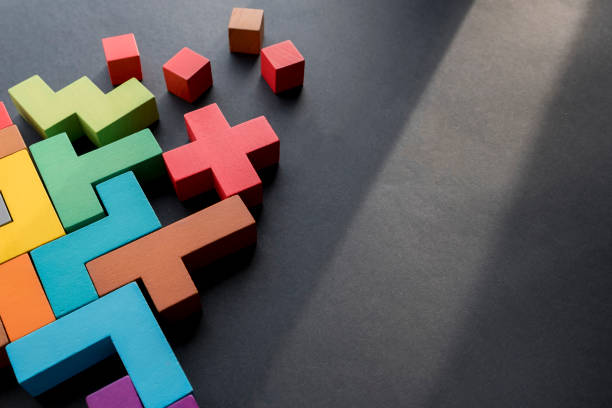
x=185, y=402
x=119, y=394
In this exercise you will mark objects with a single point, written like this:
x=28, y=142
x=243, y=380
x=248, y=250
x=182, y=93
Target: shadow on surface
x=83, y=384
x=539, y=333
x=368, y=65
x=360, y=90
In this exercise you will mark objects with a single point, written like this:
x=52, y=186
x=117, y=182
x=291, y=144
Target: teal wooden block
x=82, y=108
x=120, y=321
x=60, y=264
x=69, y=178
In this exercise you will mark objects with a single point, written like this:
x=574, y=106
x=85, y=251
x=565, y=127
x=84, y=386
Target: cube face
x=123, y=69
x=282, y=66
x=245, y=30
x=188, y=75
x=122, y=58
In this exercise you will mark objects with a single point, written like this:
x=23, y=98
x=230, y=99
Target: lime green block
x=70, y=179
x=82, y=108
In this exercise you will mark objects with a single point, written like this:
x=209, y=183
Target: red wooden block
x=188, y=74
x=5, y=119
x=282, y=66
x=222, y=156
x=122, y=58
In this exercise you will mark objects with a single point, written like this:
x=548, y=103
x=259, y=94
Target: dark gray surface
x=438, y=232
x=5, y=216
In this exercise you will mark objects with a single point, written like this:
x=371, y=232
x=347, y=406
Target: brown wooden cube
x=245, y=30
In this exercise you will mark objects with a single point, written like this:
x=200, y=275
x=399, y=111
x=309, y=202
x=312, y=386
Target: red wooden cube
x=188, y=74
x=282, y=66
x=122, y=58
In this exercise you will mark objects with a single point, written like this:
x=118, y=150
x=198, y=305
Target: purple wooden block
x=185, y=402
x=118, y=394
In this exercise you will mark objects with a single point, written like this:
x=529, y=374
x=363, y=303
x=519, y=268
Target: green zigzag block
x=82, y=108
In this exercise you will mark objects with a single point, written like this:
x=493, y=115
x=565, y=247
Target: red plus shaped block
x=188, y=74
x=222, y=156
x=122, y=58
x=282, y=66
x=5, y=119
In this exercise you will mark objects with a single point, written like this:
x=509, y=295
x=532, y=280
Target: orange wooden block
x=245, y=30
x=161, y=258
x=23, y=304
x=10, y=141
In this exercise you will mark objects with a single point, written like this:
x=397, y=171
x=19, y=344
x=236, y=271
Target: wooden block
x=122, y=58
x=5, y=216
x=245, y=30
x=120, y=321
x=82, y=108
x=188, y=75
x=222, y=157
x=23, y=304
x=185, y=402
x=34, y=221
x=5, y=119
x=70, y=178
x=160, y=259
x=4, y=361
x=10, y=141
x=61, y=263
x=118, y=394
x=282, y=66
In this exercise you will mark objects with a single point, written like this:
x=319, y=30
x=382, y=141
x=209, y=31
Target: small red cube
x=282, y=66
x=122, y=58
x=188, y=74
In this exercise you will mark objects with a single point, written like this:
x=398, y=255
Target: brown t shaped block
x=161, y=259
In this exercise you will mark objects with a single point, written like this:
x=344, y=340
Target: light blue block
x=120, y=321
x=60, y=264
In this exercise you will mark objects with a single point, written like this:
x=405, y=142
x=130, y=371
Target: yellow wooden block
x=34, y=221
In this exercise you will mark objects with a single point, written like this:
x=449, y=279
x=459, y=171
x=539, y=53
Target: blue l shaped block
x=61, y=263
x=120, y=321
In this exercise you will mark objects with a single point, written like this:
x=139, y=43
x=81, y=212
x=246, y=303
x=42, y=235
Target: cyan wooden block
x=69, y=178
x=82, y=108
x=120, y=321
x=60, y=264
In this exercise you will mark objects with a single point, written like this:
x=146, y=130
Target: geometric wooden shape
x=120, y=321
x=34, y=221
x=4, y=340
x=23, y=304
x=185, y=402
x=5, y=119
x=118, y=394
x=161, y=259
x=282, y=66
x=82, y=108
x=122, y=58
x=222, y=157
x=61, y=263
x=188, y=74
x=245, y=30
x=70, y=179
x=10, y=141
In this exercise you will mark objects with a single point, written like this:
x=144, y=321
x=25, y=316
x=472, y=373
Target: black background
x=438, y=230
